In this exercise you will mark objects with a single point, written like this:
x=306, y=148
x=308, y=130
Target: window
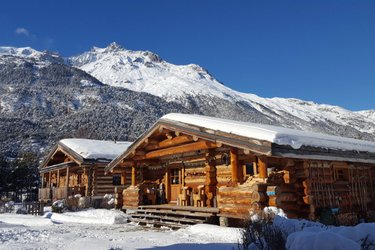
x=249, y=169
x=175, y=179
x=116, y=180
x=342, y=174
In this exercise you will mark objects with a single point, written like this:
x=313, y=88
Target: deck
x=172, y=216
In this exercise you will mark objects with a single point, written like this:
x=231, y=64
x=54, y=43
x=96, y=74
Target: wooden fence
x=34, y=207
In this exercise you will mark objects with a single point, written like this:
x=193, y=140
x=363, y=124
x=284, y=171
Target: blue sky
x=322, y=51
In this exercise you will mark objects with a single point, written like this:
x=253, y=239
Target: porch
x=58, y=193
x=63, y=180
x=175, y=217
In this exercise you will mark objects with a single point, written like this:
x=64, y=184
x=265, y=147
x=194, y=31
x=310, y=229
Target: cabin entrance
x=175, y=184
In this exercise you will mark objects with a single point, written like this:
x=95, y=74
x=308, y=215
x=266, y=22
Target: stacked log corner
x=239, y=200
x=131, y=196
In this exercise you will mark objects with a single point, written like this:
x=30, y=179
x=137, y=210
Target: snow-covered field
x=104, y=229
x=109, y=229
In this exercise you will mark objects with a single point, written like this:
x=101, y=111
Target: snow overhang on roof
x=293, y=138
x=261, y=139
x=95, y=149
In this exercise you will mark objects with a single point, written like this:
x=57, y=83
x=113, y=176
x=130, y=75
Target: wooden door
x=175, y=185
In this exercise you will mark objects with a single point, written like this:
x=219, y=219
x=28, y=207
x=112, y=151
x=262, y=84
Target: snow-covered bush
x=58, y=206
x=260, y=232
x=108, y=201
x=9, y=206
x=270, y=229
x=21, y=210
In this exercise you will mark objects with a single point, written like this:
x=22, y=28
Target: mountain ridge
x=46, y=97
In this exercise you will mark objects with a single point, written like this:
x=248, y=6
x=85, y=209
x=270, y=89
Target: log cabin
x=76, y=166
x=237, y=167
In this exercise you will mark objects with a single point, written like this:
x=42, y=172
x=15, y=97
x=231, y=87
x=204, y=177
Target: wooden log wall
x=103, y=184
x=237, y=201
x=338, y=185
x=131, y=196
x=285, y=189
x=195, y=176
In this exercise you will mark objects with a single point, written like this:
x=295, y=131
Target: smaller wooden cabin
x=76, y=166
x=236, y=167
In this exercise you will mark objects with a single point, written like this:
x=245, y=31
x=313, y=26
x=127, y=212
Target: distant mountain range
x=113, y=93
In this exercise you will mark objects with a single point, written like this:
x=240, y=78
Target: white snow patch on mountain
x=145, y=71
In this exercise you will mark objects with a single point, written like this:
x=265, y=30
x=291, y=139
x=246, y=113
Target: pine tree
x=24, y=176
x=4, y=176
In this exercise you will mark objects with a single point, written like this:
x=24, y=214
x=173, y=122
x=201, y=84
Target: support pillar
x=85, y=180
x=211, y=180
x=262, y=167
x=49, y=179
x=42, y=180
x=123, y=177
x=234, y=164
x=167, y=185
x=67, y=177
x=183, y=176
x=134, y=176
x=58, y=178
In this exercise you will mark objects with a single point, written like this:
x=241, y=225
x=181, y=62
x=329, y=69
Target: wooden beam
x=134, y=176
x=170, y=142
x=211, y=179
x=86, y=181
x=262, y=167
x=67, y=177
x=123, y=177
x=178, y=150
x=234, y=164
x=42, y=180
x=49, y=179
x=167, y=185
x=58, y=178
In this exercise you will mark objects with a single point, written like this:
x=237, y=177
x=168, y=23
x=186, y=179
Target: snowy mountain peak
x=190, y=84
x=41, y=58
x=145, y=71
x=113, y=47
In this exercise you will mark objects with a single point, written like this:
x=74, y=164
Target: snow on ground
x=304, y=234
x=92, y=216
x=108, y=229
x=105, y=229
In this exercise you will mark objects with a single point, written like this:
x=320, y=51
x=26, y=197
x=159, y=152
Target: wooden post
x=183, y=176
x=49, y=179
x=42, y=180
x=123, y=177
x=67, y=177
x=86, y=181
x=58, y=178
x=167, y=185
x=262, y=165
x=211, y=180
x=234, y=164
x=134, y=176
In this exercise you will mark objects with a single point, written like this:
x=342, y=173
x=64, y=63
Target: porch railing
x=44, y=194
x=59, y=193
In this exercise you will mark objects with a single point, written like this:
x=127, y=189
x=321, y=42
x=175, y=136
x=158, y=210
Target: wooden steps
x=174, y=217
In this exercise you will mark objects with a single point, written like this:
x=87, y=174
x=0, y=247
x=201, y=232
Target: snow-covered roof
x=95, y=149
x=278, y=135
